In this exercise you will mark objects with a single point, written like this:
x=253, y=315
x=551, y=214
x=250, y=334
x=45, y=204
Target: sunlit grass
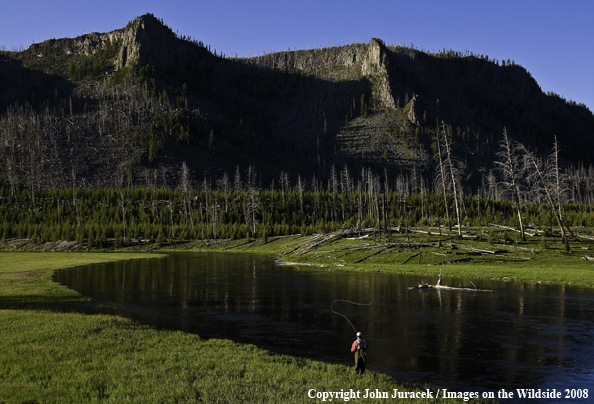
x=68, y=357
x=486, y=254
x=52, y=357
x=71, y=358
x=26, y=278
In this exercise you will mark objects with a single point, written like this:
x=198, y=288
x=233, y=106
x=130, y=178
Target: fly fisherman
x=359, y=347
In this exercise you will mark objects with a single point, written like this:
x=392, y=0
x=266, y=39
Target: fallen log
x=304, y=244
x=514, y=257
x=439, y=286
x=283, y=263
x=419, y=245
x=234, y=246
x=481, y=250
x=310, y=246
x=371, y=255
x=423, y=232
x=512, y=229
x=409, y=258
x=358, y=238
x=366, y=246
x=455, y=261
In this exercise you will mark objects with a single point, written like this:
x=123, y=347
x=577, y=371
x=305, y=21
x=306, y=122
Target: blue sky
x=554, y=40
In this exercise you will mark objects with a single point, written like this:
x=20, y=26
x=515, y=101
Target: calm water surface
x=520, y=336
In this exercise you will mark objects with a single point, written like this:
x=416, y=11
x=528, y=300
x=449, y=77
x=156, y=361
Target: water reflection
x=521, y=336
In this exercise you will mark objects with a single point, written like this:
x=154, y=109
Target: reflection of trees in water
x=509, y=338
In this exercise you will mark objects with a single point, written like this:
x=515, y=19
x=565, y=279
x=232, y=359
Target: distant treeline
x=116, y=215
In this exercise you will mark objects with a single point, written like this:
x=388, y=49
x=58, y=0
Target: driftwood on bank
x=512, y=229
x=321, y=239
x=359, y=247
x=455, y=261
x=359, y=238
x=439, y=286
x=371, y=255
x=234, y=246
x=412, y=256
x=483, y=251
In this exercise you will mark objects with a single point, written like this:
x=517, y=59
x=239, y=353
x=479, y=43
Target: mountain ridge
x=133, y=104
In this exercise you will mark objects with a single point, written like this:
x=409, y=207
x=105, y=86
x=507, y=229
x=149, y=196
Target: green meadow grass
x=71, y=358
x=57, y=357
x=537, y=260
x=26, y=277
x=52, y=356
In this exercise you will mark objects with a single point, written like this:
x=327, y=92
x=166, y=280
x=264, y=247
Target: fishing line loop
x=348, y=301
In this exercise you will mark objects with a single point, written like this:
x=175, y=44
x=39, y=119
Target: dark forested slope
x=130, y=106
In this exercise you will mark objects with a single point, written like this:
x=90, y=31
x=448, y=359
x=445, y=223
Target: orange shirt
x=356, y=344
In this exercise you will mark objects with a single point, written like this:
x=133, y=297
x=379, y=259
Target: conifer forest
x=143, y=135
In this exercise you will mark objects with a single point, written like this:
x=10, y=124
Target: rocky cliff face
x=359, y=105
x=411, y=92
x=356, y=62
x=148, y=42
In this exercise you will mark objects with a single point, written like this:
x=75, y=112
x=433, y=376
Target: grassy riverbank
x=53, y=357
x=488, y=252
x=26, y=277
x=481, y=253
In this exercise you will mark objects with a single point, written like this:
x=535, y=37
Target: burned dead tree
x=549, y=183
x=509, y=165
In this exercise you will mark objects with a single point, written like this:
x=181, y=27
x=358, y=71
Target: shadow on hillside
x=21, y=85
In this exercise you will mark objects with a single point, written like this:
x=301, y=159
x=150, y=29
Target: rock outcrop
x=303, y=111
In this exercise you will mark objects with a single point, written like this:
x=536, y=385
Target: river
x=518, y=337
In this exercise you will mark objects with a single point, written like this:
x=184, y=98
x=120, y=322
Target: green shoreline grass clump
x=53, y=357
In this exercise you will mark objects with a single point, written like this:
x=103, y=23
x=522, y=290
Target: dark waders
x=360, y=361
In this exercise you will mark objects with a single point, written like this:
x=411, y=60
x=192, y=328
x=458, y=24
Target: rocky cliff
x=136, y=102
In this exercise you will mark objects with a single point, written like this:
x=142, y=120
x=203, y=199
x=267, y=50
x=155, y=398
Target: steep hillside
x=131, y=105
